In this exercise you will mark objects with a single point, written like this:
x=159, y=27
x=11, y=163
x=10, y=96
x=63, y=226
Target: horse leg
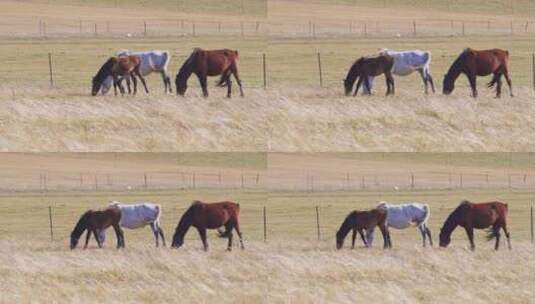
x=234, y=71
x=120, y=236
x=428, y=232
x=164, y=78
x=161, y=235
x=367, y=86
x=504, y=227
x=496, y=231
x=422, y=231
x=87, y=237
x=359, y=82
x=473, y=84
x=353, y=237
x=127, y=84
x=238, y=231
x=204, y=85
x=202, y=234
x=470, y=233
x=424, y=78
x=430, y=79
x=390, y=83
x=369, y=236
x=499, y=86
x=229, y=88
x=134, y=80
x=386, y=240
x=97, y=238
x=154, y=228
x=136, y=71
x=363, y=239
x=509, y=83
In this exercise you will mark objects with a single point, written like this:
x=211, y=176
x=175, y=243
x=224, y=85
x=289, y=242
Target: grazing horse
x=138, y=215
x=407, y=62
x=93, y=221
x=475, y=63
x=151, y=61
x=366, y=67
x=123, y=66
x=209, y=216
x=472, y=216
x=401, y=216
x=209, y=63
x=360, y=221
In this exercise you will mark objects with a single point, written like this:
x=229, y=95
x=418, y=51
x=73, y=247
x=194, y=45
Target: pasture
x=292, y=263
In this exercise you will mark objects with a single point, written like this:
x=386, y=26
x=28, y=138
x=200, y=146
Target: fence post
x=96, y=30
x=318, y=222
x=193, y=180
x=365, y=30
x=265, y=225
x=193, y=29
x=107, y=27
x=319, y=70
x=463, y=28
x=144, y=28
x=219, y=178
x=348, y=183
x=412, y=180
x=265, y=79
x=96, y=183
x=414, y=27
x=488, y=26
x=242, y=180
x=51, y=226
x=241, y=28
x=257, y=178
x=50, y=69
x=511, y=27
x=145, y=184
x=80, y=27
x=314, y=30
x=509, y=181
x=219, y=27
x=461, y=180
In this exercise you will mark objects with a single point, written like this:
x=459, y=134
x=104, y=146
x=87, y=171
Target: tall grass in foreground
x=277, y=272
x=286, y=119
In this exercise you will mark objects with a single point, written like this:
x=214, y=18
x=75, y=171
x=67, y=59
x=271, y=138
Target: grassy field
x=293, y=265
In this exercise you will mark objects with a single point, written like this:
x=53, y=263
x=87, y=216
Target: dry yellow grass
x=287, y=119
x=279, y=272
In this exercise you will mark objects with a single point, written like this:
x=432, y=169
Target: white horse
x=405, y=63
x=138, y=215
x=151, y=61
x=401, y=216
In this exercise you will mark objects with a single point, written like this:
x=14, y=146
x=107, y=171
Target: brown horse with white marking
x=472, y=216
x=125, y=66
x=370, y=66
x=209, y=63
x=205, y=216
x=95, y=221
x=361, y=221
x=475, y=63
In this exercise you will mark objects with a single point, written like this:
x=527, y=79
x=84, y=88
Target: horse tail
x=158, y=212
x=492, y=82
x=427, y=214
x=166, y=59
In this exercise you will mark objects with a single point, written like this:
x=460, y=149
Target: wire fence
x=180, y=27
x=295, y=181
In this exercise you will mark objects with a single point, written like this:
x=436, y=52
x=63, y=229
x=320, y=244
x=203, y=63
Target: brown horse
x=125, y=66
x=474, y=63
x=209, y=216
x=94, y=221
x=209, y=63
x=360, y=221
x=472, y=216
x=369, y=66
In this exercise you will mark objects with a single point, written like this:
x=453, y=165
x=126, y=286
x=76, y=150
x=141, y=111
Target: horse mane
x=347, y=225
x=457, y=64
x=105, y=69
x=186, y=68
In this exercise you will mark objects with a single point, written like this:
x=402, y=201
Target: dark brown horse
x=209, y=216
x=125, y=66
x=369, y=66
x=363, y=221
x=209, y=63
x=472, y=216
x=94, y=221
x=474, y=63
